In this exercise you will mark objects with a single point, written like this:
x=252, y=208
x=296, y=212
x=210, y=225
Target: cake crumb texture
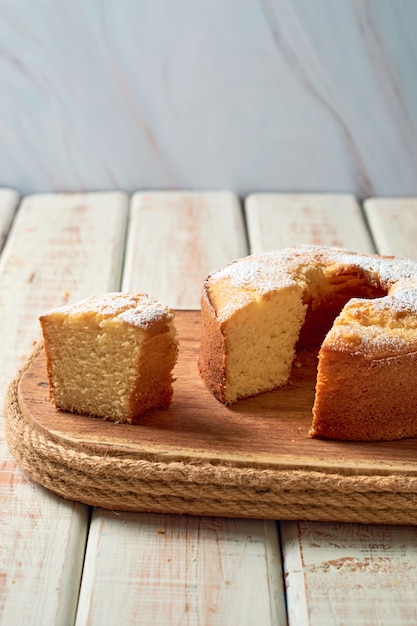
x=110, y=356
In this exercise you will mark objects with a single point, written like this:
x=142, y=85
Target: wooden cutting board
x=260, y=442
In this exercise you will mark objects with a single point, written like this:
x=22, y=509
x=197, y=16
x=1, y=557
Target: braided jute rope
x=125, y=483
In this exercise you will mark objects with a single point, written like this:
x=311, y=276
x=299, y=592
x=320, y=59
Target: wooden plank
x=8, y=203
x=61, y=247
x=394, y=225
x=332, y=571
x=193, y=570
x=176, y=239
x=278, y=220
x=350, y=574
x=154, y=569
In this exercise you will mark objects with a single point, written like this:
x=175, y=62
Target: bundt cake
x=359, y=309
x=110, y=356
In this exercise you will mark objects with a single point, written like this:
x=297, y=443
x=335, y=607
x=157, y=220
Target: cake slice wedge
x=111, y=356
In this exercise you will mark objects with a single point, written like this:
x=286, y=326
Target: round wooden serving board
x=254, y=459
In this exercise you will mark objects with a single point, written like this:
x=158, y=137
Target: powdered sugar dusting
x=137, y=309
x=373, y=342
x=259, y=274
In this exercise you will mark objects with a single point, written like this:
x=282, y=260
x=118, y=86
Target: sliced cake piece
x=110, y=356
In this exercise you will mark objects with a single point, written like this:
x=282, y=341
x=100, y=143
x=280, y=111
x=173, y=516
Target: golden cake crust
x=212, y=349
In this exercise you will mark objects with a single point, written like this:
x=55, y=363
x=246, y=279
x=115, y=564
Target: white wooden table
x=61, y=563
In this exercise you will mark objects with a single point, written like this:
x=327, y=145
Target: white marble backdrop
x=247, y=95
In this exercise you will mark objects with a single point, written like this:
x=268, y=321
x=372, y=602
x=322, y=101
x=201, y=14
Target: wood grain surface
x=278, y=220
x=60, y=246
x=269, y=431
x=176, y=238
x=394, y=225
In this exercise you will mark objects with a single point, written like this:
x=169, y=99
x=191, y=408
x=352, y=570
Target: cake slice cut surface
x=111, y=356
